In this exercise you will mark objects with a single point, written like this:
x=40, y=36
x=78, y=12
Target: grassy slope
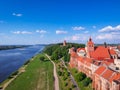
x=38, y=76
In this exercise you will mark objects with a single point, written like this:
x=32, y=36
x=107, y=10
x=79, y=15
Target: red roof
x=112, y=51
x=90, y=43
x=100, y=53
x=79, y=49
x=100, y=70
x=116, y=76
x=73, y=54
x=107, y=74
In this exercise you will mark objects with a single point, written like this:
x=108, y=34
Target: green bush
x=42, y=58
x=70, y=89
x=15, y=73
x=87, y=81
x=64, y=78
x=59, y=73
x=80, y=76
x=65, y=84
x=26, y=62
x=73, y=86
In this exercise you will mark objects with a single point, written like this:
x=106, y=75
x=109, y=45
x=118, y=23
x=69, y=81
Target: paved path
x=72, y=78
x=56, y=81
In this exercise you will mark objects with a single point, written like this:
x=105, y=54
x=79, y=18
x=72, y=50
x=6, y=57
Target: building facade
x=101, y=63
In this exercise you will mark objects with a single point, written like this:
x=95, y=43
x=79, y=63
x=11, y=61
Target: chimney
x=105, y=44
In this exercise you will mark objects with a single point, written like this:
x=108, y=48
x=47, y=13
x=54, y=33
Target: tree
x=42, y=58
x=87, y=81
x=80, y=76
x=59, y=73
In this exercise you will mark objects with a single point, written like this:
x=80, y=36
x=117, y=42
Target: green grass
x=38, y=76
x=80, y=84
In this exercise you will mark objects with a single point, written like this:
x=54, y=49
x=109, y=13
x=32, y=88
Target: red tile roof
x=107, y=74
x=100, y=53
x=112, y=51
x=116, y=76
x=79, y=49
x=100, y=70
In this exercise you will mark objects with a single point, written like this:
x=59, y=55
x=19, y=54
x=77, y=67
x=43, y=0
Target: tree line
x=57, y=51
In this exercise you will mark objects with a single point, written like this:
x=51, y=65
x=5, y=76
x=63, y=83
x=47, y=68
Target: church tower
x=90, y=45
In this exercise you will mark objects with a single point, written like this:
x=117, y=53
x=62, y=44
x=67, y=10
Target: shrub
x=73, y=86
x=26, y=62
x=89, y=79
x=42, y=58
x=64, y=78
x=70, y=89
x=10, y=77
x=80, y=76
x=65, y=84
x=85, y=83
x=59, y=73
x=15, y=73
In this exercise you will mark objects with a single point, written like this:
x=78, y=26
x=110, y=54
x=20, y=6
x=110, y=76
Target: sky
x=53, y=21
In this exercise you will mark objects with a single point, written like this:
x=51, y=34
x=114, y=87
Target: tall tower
x=90, y=45
x=64, y=43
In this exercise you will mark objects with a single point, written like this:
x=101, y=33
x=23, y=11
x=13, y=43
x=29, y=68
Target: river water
x=11, y=60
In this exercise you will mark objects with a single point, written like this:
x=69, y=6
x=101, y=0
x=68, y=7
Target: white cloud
x=22, y=32
x=61, y=32
x=110, y=29
x=17, y=14
x=93, y=27
x=86, y=32
x=75, y=37
x=78, y=28
x=104, y=36
x=41, y=31
x=41, y=36
x=109, y=36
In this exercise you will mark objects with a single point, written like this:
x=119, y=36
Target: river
x=11, y=60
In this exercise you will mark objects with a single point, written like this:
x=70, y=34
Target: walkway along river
x=11, y=60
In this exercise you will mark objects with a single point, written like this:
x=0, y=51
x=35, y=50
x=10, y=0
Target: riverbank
x=37, y=75
x=7, y=47
x=11, y=60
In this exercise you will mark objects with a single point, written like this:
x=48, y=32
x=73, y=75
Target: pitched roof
x=108, y=74
x=79, y=49
x=100, y=70
x=112, y=51
x=100, y=53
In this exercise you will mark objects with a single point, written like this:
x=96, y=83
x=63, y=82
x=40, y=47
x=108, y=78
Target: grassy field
x=38, y=76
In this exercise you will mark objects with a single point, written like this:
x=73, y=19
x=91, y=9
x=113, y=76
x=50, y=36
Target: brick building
x=98, y=63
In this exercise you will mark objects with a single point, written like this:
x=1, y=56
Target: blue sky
x=52, y=21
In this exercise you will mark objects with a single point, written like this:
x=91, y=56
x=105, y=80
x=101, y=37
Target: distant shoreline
x=7, y=47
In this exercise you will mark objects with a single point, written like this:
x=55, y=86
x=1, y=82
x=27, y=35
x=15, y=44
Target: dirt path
x=56, y=81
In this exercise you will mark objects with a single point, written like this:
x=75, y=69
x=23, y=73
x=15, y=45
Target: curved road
x=56, y=81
